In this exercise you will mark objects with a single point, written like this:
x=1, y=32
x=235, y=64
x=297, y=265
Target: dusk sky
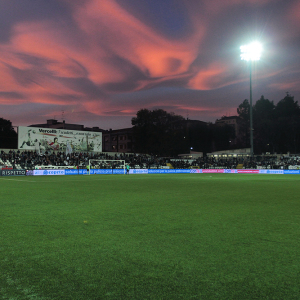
x=97, y=62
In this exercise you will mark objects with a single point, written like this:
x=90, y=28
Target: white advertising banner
x=50, y=139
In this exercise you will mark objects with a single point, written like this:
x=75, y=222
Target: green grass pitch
x=177, y=236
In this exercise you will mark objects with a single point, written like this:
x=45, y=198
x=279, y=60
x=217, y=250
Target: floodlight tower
x=251, y=52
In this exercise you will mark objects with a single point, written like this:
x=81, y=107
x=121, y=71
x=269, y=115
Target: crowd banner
x=13, y=172
x=49, y=139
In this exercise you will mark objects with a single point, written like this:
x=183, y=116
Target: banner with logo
x=49, y=139
x=49, y=172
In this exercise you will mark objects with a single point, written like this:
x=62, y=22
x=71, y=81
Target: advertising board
x=49, y=172
x=13, y=172
x=248, y=171
x=139, y=171
x=212, y=170
x=48, y=139
x=291, y=172
x=146, y=171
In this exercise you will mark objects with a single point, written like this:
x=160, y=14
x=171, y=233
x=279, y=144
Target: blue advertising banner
x=138, y=171
x=183, y=171
x=49, y=172
x=271, y=171
x=94, y=171
x=156, y=171
x=101, y=171
x=291, y=172
x=153, y=171
x=230, y=171
x=119, y=171
x=169, y=171
x=72, y=171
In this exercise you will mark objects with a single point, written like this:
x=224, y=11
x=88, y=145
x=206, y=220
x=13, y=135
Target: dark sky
x=97, y=62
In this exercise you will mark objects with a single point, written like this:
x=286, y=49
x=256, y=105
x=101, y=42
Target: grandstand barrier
x=157, y=171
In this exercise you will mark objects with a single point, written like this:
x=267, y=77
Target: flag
x=37, y=147
x=68, y=149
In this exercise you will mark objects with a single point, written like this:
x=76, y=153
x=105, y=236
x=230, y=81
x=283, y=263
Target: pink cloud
x=150, y=52
x=287, y=86
x=294, y=12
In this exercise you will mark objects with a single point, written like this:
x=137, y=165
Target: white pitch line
x=17, y=180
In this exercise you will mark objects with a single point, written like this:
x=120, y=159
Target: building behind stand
x=118, y=140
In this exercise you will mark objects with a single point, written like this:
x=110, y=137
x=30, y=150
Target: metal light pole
x=251, y=114
x=251, y=52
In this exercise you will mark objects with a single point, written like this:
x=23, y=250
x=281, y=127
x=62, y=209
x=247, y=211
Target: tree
x=8, y=136
x=263, y=124
x=198, y=136
x=244, y=113
x=287, y=125
x=158, y=132
x=222, y=137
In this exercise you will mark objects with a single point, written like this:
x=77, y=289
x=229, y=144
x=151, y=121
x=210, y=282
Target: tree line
x=161, y=133
x=276, y=128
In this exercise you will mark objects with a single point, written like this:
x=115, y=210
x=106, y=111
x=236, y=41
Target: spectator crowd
x=31, y=159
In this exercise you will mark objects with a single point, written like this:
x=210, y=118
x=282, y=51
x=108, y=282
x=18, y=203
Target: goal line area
x=106, y=164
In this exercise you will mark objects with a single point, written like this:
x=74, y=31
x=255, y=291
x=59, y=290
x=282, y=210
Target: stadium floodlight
x=251, y=52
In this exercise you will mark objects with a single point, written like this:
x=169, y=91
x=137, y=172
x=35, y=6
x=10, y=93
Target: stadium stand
x=17, y=159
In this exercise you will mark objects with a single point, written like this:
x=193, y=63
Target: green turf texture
x=175, y=236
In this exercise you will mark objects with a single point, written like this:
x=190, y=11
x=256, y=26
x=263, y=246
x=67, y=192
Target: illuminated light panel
x=251, y=51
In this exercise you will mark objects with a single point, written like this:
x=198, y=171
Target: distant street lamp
x=251, y=52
